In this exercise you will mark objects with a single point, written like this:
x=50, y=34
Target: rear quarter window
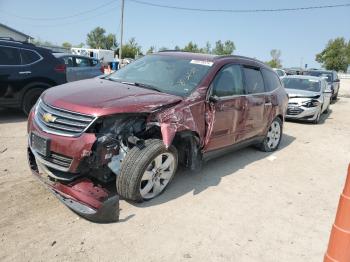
x=271, y=79
x=9, y=56
x=29, y=56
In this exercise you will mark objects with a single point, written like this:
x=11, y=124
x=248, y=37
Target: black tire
x=317, y=120
x=264, y=146
x=134, y=165
x=327, y=109
x=30, y=98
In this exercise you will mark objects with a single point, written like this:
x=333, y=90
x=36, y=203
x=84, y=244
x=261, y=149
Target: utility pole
x=121, y=31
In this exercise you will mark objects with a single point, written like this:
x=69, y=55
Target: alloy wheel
x=157, y=175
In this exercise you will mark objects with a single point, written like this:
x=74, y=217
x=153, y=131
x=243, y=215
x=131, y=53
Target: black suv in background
x=25, y=72
x=331, y=77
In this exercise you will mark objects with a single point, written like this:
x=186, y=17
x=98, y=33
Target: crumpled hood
x=302, y=93
x=103, y=97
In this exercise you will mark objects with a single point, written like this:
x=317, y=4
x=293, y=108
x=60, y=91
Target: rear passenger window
x=228, y=81
x=68, y=61
x=29, y=56
x=82, y=62
x=9, y=56
x=253, y=80
x=94, y=62
x=272, y=81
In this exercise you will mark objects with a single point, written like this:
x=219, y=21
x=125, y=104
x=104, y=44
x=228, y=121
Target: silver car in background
x=309, y=97
x=80, y=67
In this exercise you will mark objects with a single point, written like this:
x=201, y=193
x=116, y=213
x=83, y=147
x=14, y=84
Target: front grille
x=61, y=122
x=60, y=160
x=294, y=111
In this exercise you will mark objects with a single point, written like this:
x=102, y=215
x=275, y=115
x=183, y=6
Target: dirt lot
x=245, y=206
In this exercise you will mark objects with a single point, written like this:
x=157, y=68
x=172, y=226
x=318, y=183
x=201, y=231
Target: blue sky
x=299, y=35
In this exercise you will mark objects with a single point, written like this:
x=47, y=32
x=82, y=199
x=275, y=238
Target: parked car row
x=27, y=70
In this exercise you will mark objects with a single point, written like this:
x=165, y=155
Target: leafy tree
x=335, y=56
x=80, y=45
x=275, y=62
x=151, y=50
x=67, y=45
x=97, y=39
x=131, y=49
x=191, y=47
x=177, y=48
x=225, y=48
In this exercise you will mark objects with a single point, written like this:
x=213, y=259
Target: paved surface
x=245, y=206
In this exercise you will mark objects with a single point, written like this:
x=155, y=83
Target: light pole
x=121, y=32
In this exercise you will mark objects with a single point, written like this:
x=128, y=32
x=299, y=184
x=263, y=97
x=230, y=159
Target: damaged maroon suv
x=125, y=134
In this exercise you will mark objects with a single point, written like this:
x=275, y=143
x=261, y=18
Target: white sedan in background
x=309, y=97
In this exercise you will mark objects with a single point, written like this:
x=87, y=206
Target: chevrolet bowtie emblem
x=48, y=118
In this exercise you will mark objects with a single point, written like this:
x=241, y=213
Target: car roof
x=23, y=45
x=321, y=71
x=69, y=54
x=208, y=57
x=304, y=77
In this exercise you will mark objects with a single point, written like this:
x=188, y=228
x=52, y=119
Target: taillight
x=102, y=69
x=61, y=68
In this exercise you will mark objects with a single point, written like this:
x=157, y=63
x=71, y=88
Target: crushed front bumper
x=302, y=113
x=88, y=200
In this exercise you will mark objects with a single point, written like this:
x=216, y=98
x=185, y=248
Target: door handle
x=25, y=72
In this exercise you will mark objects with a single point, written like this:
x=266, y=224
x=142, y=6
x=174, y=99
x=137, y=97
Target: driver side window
x=228, y=82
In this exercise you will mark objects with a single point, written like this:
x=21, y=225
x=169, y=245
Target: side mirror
x=213, y=99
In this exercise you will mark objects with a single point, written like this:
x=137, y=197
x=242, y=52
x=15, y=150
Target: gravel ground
x=245, y=206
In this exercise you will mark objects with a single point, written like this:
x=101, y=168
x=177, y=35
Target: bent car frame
x=125, y=134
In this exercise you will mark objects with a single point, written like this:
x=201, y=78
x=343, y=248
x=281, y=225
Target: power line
x=77, y=21
x=60, y=17
x=239, y=10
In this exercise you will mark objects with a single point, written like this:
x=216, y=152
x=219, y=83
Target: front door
x=226, y=108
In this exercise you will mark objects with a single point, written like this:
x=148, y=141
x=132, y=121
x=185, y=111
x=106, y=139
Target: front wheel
x=146, y=171
x=30, y=98
x=273, y=136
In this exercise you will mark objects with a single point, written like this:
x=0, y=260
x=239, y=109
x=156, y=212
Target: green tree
x=275, y=62
x=97, y=38
x=335, y=56
x=191, y=47
x=151, y=50
x=79, y=45
x=226, y=48
x=67, y=45
x=131, y=49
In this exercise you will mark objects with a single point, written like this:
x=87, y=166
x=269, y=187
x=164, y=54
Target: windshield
x=302, y=84
x=168, y=74
x=327, y=75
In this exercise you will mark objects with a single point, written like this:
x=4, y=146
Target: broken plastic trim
x=93, y=203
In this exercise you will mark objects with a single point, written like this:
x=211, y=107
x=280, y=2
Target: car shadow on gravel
x=11, y=116
x=212, y=172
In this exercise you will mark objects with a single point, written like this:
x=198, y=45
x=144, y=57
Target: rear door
x=69, y=61
x=227, y=103
x=257, y=102
x=83, y=68
x=12, y=75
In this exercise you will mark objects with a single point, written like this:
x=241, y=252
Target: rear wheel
x=146, y=172
x=30, y=98
x=273, y=136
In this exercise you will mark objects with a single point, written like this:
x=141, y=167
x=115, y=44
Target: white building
x=6, y=31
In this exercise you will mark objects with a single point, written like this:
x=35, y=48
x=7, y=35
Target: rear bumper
x=88, y=200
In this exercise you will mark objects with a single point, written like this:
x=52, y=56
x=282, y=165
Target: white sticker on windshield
x=199, y=62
